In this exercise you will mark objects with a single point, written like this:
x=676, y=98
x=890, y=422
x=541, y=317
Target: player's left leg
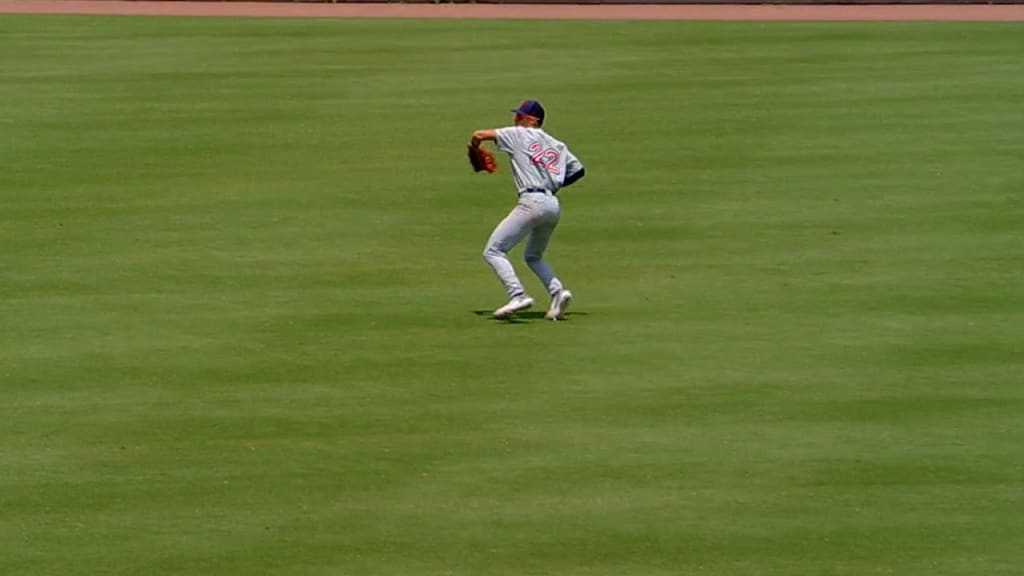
x=507, y=234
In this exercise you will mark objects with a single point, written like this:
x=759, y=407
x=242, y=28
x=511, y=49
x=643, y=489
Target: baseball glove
x=481, y=159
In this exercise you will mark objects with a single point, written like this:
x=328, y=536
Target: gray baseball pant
x=535, y=214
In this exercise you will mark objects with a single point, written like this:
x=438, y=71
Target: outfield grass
x=241, y=299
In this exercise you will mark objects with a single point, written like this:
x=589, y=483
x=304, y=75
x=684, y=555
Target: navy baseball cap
x=531, y=108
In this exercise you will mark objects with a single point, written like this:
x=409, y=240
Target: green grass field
x=242, y=300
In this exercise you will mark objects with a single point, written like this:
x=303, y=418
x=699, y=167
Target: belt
x=535, y=191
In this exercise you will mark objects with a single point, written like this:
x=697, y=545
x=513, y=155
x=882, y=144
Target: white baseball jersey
x=537, y=159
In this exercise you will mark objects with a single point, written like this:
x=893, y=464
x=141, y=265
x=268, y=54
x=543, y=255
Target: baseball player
x=541, y=165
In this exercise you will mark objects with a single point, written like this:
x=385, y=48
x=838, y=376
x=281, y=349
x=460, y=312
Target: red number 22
x=546, y=157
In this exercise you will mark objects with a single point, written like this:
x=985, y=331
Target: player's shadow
x=519, y=317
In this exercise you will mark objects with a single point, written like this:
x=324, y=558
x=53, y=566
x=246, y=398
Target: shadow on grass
x=521, y=317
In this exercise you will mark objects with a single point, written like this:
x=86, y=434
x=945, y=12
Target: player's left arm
x=481, y=136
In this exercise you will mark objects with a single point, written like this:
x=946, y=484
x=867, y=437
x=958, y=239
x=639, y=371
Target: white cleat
x=559, y=303
x=517, y=303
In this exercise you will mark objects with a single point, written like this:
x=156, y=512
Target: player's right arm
x=573, y=169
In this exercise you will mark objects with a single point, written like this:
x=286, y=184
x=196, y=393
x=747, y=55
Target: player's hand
x=481, y=159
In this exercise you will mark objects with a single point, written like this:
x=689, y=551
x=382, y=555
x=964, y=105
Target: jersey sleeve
x=572, y=163
x=507, y=138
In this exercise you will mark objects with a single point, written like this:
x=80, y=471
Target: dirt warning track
x=945, y=12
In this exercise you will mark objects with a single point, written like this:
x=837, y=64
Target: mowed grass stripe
x=244, y=310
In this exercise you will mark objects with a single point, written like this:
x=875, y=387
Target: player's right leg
x=559, y=303
x=534, y=254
